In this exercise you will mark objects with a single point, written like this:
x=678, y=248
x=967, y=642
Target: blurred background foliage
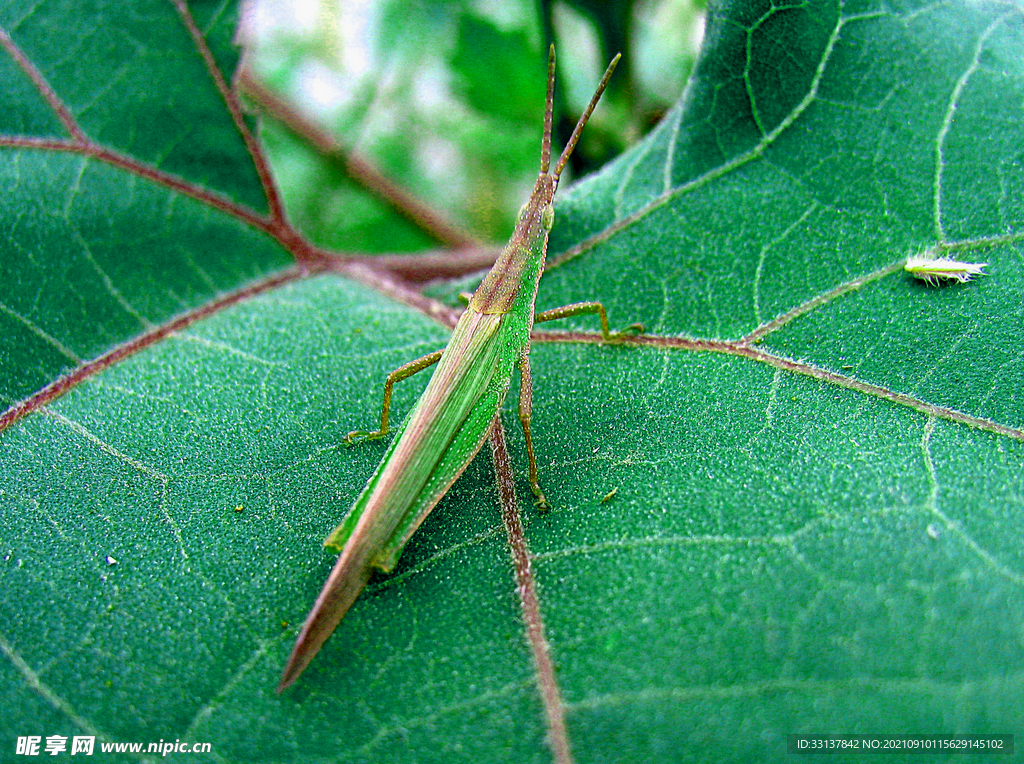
x=400, y=85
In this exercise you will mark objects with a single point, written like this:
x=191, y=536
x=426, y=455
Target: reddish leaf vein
x=526, y=587
x=60, y=386
x=235, y=109
x=37, y=78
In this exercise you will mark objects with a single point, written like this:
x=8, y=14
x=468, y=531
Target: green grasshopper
x=452, y=418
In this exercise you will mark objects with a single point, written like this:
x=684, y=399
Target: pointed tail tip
x=348, y=577
x=297, y=662
x=292, y=671
x=288, y=676
x=302, y=655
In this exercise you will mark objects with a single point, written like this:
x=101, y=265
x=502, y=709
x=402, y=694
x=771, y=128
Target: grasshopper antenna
x=545, y=142
x=567, y=151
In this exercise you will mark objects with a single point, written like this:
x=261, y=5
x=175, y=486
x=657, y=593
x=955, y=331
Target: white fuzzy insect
x=935, y=271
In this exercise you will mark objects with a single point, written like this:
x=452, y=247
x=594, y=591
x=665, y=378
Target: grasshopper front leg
x=402, y=372
x=589, y=308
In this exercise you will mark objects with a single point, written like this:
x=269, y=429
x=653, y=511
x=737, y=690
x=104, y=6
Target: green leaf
x=441, y=97
x=818, y=524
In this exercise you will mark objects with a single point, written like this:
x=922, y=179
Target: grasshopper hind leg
x=525, y=417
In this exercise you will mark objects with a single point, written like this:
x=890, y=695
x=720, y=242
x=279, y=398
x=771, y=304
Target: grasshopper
x=451, y=420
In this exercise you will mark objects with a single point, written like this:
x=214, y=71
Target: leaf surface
x=817, y=523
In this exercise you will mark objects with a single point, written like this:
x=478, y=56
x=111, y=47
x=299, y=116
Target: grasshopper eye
x=548, y=217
